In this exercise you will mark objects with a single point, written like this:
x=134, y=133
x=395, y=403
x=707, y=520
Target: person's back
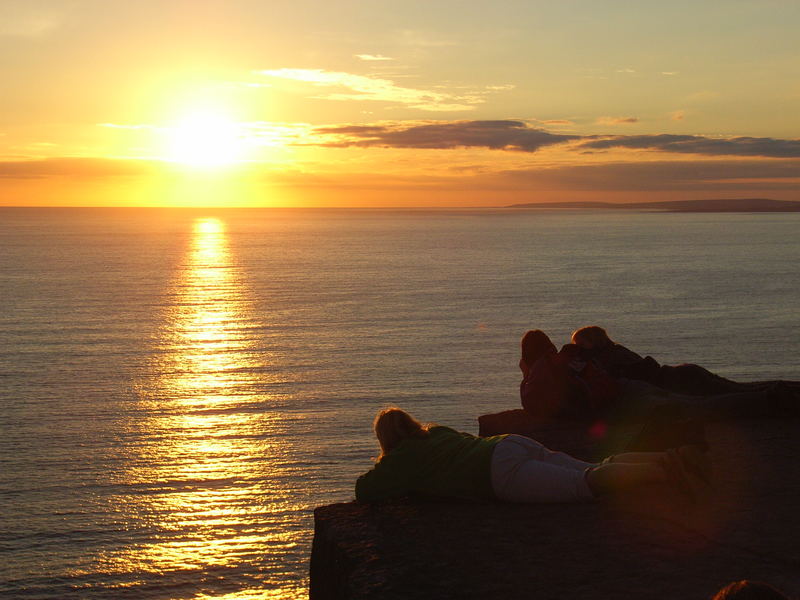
x=623, y=363
x=444, y=462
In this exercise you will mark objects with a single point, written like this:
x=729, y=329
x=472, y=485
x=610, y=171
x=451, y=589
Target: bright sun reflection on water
x=210, y=457
x=209, y=314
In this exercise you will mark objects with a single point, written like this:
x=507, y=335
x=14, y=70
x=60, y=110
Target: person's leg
x=615, y=477
x=635, y=457
x=687, y=468
x=517, y=476
x=691, y=456
x=537, y=451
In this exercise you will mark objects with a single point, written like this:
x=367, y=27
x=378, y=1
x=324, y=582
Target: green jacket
x=443, y=463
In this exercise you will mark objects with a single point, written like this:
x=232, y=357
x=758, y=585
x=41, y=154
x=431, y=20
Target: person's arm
x=523, y=366
x=616, y=360
x=572, y=357
x=624, y=355
x=380, y=483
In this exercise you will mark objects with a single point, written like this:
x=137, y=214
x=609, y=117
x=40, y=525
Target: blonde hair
x=593, y=334
x=393, y=425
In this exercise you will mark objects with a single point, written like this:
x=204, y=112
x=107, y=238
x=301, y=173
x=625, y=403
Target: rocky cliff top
x=653, y=544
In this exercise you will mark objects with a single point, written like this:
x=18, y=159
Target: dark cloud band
x=75, y=167
x=720, y=174
x=518, y=136
x=695, y=144
x=496, y=135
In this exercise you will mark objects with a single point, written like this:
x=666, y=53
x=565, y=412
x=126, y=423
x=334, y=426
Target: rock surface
x=572, y=438
x=653, y=544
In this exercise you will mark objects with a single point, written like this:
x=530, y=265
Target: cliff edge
x=653, y=544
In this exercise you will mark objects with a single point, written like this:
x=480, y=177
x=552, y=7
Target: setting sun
x=206, y=139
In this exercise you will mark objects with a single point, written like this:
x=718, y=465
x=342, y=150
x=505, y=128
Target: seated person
x=561, y=384
x=432, y=460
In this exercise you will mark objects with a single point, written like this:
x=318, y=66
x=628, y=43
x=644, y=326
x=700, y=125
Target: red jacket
x=600, y=388
x=563, y=385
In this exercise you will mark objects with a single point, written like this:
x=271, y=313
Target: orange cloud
x=362, y=87
x=556, y=122
x=373, y=57
x=616, y=120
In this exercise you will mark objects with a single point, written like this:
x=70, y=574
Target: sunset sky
x=345, y=103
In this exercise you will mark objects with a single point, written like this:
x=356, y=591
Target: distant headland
x=712, y=205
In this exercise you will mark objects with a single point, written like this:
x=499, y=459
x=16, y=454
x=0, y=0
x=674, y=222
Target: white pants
x=523, y=470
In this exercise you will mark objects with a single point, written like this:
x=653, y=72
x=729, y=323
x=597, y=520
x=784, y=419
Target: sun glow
x=206, y=139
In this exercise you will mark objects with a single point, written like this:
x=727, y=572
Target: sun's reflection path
x=211, y=351
x=208, y=507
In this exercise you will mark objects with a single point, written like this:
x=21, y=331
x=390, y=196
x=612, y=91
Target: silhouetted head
x=591, y=338
x=534, y=345
x=749, y=590
x=393, y=425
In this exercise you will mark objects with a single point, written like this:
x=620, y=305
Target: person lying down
x=432, y=460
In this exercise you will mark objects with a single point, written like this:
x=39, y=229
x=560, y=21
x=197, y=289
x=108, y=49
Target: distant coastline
x=712, y=205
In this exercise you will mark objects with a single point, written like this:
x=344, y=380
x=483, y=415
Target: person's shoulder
x=440, y=431
x=435, y=428
x=619, y=348
x=569, y=351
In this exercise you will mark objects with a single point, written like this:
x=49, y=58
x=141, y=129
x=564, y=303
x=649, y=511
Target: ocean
x=180, y=388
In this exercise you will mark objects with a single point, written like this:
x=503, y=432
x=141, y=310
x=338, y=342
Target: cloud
x=266, y=133
x=669, y=73
x=616, y=120
x=677, y=115
x=372, y=57
x=498, y=135
x=518, y=136
x=713, y=175
x=75, y=167
x=694, y=144
x=124, y=126
x=375, y=89
x=702, y=96
x=556, y=122
x=732, y=176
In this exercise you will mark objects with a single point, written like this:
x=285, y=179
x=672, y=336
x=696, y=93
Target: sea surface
x=180, y=388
